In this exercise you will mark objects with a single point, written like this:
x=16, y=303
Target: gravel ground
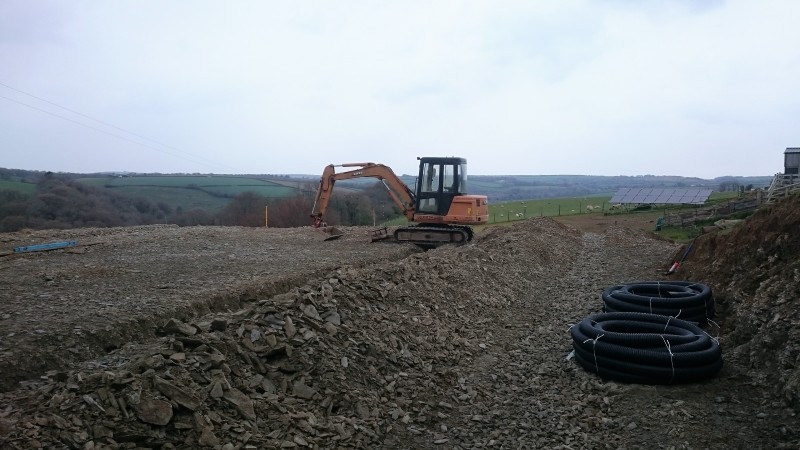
x=70, y=305
x=372, y=346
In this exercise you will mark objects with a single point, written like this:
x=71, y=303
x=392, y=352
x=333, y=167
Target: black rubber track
x=645, y=348
x=683, y=299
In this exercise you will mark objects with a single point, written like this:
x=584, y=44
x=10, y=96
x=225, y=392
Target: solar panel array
x=693, y=196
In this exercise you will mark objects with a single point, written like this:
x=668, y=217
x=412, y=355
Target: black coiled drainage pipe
x=645, y=348
x=682, y=299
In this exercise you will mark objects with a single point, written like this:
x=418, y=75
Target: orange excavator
x=440, y=207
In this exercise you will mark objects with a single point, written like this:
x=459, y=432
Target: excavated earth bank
x=228, y=338
x=756, y=269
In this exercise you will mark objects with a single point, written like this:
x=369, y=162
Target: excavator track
x=427, y=236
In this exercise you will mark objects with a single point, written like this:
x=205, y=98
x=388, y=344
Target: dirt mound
x=755, y=269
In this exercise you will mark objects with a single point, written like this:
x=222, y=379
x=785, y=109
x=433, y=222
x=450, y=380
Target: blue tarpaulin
x=42, y=247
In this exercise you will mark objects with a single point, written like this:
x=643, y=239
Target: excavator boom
x=402, y=196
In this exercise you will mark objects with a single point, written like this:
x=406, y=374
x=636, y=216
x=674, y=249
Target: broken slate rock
x=333, y=317
x=176, y=394
x=151, y=362
x=242, y=402
x=208, y=438
x=154, y=411
x=175, y=326
x=289, y=327
x=216, y=390
x=303, y=391
x=362, y=410
x=311, y=312
x=219, y=324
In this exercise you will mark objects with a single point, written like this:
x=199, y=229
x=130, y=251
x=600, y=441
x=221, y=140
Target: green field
x=510, y=211
x=520, y=210
x=594, y=204
x=552, y=207
x=211, y=193
x=25, y=188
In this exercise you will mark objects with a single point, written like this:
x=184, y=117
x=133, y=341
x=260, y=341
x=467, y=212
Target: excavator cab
x=440, y=179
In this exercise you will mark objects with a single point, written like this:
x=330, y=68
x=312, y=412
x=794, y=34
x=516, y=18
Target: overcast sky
x=596, y=87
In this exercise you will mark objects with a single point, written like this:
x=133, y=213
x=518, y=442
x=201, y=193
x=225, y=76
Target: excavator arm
x=402, y=196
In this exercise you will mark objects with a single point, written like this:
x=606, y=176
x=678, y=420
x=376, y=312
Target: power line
x=100, y=130
x=196, y=159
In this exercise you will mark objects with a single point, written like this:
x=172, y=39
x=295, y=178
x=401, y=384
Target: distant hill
x=523, y=187
x=212, y=191
x=63, y=203
x=123, y=198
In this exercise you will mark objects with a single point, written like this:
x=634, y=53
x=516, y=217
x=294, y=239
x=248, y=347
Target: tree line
x=60, y=202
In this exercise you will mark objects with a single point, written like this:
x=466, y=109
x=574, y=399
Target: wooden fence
x=783, y=185
x=732, y=206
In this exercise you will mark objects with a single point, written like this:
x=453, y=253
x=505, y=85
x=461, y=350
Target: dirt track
x=281, y=340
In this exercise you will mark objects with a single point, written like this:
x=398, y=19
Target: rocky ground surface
x=119, y=283
x=227, y=338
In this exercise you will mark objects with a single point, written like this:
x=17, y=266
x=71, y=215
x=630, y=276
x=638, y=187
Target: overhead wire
x=186, y=155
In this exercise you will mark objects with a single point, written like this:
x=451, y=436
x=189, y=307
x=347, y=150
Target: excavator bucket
x=331, y=233
x=378, y=234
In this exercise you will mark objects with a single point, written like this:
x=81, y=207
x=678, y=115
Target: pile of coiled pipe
x=682, y=299
x=645, y=348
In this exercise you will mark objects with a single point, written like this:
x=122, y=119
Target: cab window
x=450, y=182
x=430, y=178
